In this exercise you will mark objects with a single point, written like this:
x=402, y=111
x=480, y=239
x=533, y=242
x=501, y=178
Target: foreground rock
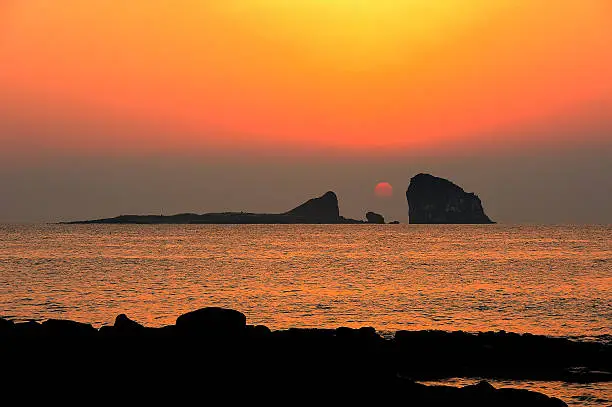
x=321, y=210
x=212, y=321
x=212, y=350
x=437, y=200
x=125, y=325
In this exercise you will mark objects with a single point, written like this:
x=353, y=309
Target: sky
x=110, y=107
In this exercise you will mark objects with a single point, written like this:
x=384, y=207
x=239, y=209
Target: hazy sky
x=112, y=107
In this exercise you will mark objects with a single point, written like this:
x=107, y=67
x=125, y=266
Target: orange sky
x=302, y=74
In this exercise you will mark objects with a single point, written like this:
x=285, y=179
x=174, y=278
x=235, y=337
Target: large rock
x=437, y=200
x=28, y=328
x=125, y=325
x=66, y=328
x=374, y=217
x=324, y=208
x=212, y=321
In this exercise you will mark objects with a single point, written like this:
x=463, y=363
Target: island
x=434, y=200
x=320, y=210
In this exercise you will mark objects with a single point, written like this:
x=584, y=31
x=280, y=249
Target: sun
x=383, y=190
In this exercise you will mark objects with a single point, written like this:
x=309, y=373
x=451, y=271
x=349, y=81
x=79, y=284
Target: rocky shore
x=213, y=353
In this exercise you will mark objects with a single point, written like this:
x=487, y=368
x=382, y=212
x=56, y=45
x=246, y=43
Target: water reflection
x=545, y=280
x=573, y=394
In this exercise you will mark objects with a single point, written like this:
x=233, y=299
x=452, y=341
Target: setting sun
x=383, y=190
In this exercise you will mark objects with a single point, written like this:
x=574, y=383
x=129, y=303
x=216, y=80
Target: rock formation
x=374, y=217
x=437, y=200
x=125, y=325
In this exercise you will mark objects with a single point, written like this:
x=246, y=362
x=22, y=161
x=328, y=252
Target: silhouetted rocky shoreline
x=431, y=200
x=212, y=353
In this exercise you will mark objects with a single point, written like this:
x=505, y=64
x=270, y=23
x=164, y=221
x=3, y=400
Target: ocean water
x=551, y=280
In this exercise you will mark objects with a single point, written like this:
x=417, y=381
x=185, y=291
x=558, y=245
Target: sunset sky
x=250, y=95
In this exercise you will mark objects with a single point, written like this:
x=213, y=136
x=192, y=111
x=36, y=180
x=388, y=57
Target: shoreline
x=215, y=338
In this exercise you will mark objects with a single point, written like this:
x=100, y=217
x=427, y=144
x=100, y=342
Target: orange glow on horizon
x=338, y=74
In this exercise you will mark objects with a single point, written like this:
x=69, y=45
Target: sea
x=550, y=280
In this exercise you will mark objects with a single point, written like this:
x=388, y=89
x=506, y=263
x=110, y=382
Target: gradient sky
x=110, y=106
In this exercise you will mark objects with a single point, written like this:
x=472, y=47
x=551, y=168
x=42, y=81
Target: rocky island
x=376, y=218
x=212, y=354
x=320, y=210
x=437, y=200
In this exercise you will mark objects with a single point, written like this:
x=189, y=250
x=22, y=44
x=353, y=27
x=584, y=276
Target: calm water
x=552, y=280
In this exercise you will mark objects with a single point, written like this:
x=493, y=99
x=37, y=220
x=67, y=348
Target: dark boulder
x=66, y=328
x=125, y=325
x=106, y=330
x=364, y=338
x=258, y=331
x=374, y=217
x=437, y=200
x=366, y=332
x=323, y=209
x=6, y=326
x=212, y=321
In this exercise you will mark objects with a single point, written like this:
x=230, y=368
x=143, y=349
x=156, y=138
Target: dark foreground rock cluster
x=211, y=356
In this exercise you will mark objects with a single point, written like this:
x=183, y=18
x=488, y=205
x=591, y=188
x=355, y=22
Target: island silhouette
x=320, y=210
x=431, y=200
x=214, y=355
x=439, y=201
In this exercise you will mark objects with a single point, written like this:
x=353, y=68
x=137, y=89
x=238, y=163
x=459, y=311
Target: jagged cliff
x=437, y=200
